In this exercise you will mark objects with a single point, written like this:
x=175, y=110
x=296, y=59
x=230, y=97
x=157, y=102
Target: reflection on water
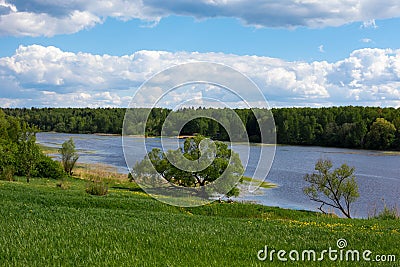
x=378, y=173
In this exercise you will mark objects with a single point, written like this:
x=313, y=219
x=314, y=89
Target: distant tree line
x=72, y=120
x=351, y=127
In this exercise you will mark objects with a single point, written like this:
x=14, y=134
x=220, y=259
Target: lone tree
x=69, y=156
x=337, y=188
x=212, y=164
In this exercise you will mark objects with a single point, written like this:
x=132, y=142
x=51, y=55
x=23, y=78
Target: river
x=377, y=172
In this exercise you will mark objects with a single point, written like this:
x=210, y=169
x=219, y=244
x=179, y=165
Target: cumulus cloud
x=45, y=17
x=47, y=76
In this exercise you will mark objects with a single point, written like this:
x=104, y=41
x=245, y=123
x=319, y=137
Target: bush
x=48, y=168
x=8, y=162
x=234, y=192
x=97, y=188
x=388, y=214
x=63, y=185
x=7, y=173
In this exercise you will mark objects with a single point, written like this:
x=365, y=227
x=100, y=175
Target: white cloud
x=366, y=40
x=44, y=17
x=32, y=24
x=321, y=49
x=369, y=24
x=47, y=76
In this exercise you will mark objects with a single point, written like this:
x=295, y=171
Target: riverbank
x=45, y=225
x=376, y=172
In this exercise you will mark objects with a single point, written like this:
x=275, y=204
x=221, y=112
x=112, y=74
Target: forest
x=347, y=126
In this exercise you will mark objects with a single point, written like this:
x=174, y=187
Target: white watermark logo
x=205, y=85
x=338, y=253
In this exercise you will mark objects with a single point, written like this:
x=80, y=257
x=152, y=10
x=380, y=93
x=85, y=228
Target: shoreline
x=386, y=152
x=288, y=193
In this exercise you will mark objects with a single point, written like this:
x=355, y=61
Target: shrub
x=388, y=213
x=97, y=188
x=63, y=184
x=7, y=173
x=234, y=192
x=48, y=168
x=8, y=162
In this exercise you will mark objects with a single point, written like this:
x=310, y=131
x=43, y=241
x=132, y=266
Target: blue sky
x=227, y=35
x=302, y=53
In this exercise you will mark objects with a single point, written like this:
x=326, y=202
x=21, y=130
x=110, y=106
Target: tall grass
x=97, y=188
x=99, y=172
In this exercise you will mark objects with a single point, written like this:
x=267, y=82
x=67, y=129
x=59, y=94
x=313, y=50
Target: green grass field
x=44, y=225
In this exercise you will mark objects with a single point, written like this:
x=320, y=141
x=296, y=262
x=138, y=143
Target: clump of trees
x=215, y=160
x=337, y=189
x=351, y=127
x=381, y=135
x=19, y=153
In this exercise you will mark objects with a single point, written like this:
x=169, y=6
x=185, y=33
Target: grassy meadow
x=53, y=223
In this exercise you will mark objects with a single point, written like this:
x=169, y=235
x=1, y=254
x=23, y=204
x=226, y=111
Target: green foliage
x=389, y=214
x=79, y=120
x=8, y=159
x=29, y=152
x=18, y=149
x=69, y=156
x=211, y=164
x=130, y=177
x=336, y=189
x=381, y=135
x=234, y=192
x=48, y=168
x=334, y=126
x=7, y=173
x=97, y=188
x=63, y=184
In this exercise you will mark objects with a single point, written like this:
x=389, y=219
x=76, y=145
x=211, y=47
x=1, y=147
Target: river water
x=377, y=173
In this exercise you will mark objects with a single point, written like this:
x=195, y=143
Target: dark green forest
x=351, y=127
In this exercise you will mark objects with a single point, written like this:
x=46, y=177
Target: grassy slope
x=41, y=224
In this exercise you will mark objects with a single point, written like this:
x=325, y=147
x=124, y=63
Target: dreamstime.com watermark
x=338, y=253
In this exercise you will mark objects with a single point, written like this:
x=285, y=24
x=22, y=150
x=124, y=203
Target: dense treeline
x=72, y=120
x=352, y=127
